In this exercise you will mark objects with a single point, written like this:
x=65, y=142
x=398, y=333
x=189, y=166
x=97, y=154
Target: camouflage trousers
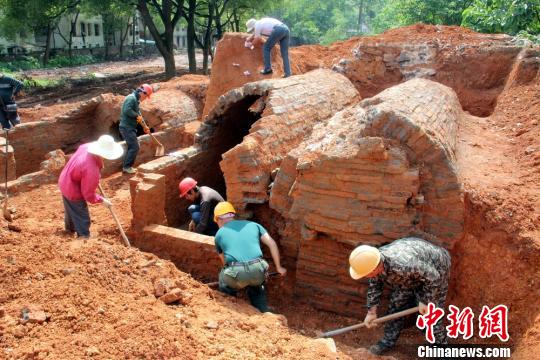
x=402, y=299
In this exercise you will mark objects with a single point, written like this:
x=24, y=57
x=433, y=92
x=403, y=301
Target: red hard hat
x=147, y=89
x=185, y=185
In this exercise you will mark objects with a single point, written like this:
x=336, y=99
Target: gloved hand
x=368, y=320
x=146, y=129
x=139, y=119
x=192, y=225
x=422, y=308
x=106, y=202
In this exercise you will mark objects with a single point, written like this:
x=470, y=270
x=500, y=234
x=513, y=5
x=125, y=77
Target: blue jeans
x=130, y=136
x=281, y=34
x=76, y=217
x=195, y=212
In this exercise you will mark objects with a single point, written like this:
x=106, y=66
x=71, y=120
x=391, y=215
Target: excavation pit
x=172, y=115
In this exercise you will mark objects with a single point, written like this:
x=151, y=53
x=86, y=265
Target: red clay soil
x=158, y=106
x=374, y=63
x=98, y=297
x=99, y=300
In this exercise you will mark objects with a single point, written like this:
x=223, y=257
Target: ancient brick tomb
x=375, y=172
x=346, y=175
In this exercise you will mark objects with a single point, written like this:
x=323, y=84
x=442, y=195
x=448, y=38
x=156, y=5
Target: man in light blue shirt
x=238, y=245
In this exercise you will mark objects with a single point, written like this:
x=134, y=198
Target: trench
x=229, y=131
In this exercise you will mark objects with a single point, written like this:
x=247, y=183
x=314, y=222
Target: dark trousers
x=76, y=217
x=8, y=123
x=281, y=34
x=402, y=299
x=130, y=137
x=195, y=213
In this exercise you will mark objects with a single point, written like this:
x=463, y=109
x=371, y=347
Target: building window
x=89, y=26
x=83, y=29
x=96, y=29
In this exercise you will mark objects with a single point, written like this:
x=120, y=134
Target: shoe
x=285, y=76
x=379, y=348
x=266, y=72
x=129, y=170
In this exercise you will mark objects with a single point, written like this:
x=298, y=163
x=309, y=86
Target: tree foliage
x=506, y=16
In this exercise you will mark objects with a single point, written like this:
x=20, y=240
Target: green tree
x=117, y=16
x=26, y=16
x=508, y=16
x=170, y=12
x=407, y=12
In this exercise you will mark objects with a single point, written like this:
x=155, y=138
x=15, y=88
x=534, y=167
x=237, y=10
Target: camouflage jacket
x=412, y=264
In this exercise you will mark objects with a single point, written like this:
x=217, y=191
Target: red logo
x=494, y=322
x=428, y=321
x=461, y=322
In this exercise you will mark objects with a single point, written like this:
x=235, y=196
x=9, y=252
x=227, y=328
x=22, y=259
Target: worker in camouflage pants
x=416, y=271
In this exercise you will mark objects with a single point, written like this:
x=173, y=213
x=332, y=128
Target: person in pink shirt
x=79, y=180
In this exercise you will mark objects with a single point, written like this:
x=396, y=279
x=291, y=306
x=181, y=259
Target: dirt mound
x=474, y=65
x=98, y=299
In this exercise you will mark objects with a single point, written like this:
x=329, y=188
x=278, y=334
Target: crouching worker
x=416, y=271
x=79, y=180
x=204, y=200
x=238, y=246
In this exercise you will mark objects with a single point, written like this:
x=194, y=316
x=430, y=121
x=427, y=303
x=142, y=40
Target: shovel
x=124, y=237
x=160, y=150
x=5, y=210
x=376, y=321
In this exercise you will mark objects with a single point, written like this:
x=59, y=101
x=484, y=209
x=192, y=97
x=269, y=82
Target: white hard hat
x=250, y=25
x=363, y=260
x=106, y=148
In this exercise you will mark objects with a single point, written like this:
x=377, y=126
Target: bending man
x=416, y=271
x=238, y=246
x=9, y=89
x=79, y=180
x=276, y=31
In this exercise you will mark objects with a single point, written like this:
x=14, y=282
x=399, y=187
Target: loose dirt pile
x=98, y=298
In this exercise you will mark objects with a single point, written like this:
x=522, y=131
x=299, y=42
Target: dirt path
x=104, y=69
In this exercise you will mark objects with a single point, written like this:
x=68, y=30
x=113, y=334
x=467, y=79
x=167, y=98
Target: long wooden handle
x=152, y=136
x=376, y=321
x=155, y=140
x=124, y=237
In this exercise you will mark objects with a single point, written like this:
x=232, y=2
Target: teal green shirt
x=239, y=240
x=130, y=111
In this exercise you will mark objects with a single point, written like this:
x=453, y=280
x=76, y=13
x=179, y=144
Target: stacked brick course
x=369, y=173
x=375, y=172
x=274, y=115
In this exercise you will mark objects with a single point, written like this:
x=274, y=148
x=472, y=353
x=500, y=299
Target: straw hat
x=106, y=148
x=250, y=25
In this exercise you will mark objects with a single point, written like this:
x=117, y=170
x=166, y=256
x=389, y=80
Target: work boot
x=129, y=170
x=379, y=348
x=266, y=72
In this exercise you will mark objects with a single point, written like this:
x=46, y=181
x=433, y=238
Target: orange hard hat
x=147, y=89
x=185, y=185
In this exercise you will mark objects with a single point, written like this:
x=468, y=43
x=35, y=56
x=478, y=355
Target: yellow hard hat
x=223, y=208
x=363, y=260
